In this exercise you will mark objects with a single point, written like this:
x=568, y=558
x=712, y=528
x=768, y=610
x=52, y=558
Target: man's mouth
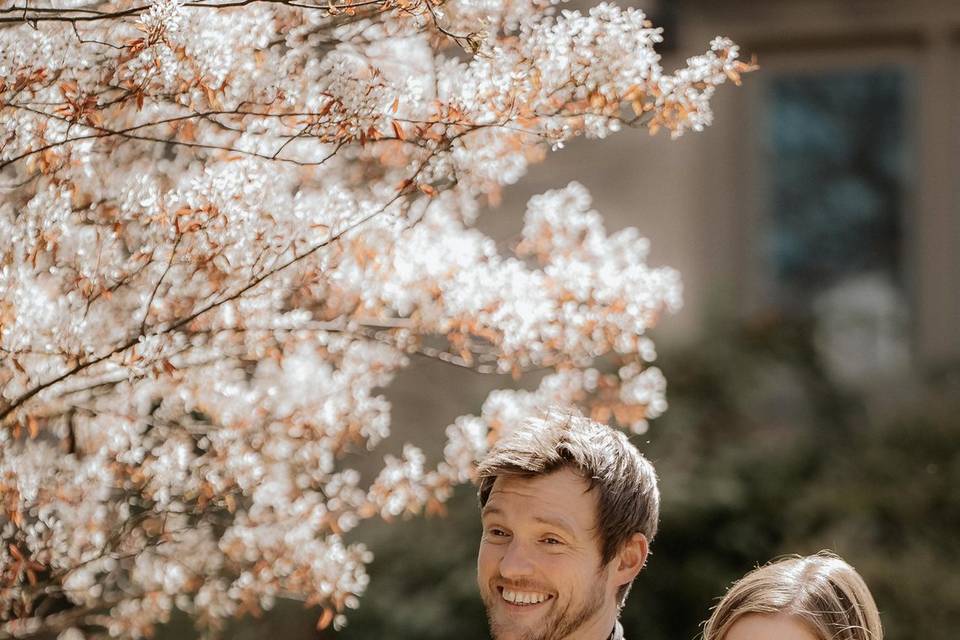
x=516, y=599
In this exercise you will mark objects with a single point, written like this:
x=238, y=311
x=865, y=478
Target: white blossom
x=226, y=229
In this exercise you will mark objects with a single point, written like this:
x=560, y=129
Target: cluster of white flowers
x=593, y=294
x=226, y=229
x=633, y=396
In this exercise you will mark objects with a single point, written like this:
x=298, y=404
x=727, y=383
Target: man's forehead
x=564, y=480
x=559, y=496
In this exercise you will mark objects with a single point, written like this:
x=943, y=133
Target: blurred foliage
x=760, y=455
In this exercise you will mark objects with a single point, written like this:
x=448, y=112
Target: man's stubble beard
x=558, y=624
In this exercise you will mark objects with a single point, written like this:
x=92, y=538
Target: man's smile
x=516, y=600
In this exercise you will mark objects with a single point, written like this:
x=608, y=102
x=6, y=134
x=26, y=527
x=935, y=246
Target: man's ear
x=632, y=557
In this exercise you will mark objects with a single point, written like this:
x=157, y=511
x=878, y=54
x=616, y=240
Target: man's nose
x=516, y=562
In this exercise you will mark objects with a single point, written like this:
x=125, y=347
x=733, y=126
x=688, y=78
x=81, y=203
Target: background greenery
x=759, y=455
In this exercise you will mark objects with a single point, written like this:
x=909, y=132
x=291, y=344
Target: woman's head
x=820, y=597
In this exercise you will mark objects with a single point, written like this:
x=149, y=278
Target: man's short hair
x=628, y=500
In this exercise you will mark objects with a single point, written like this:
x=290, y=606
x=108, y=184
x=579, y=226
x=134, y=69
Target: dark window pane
x=837, y=150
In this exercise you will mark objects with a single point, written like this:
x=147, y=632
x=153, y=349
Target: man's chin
x=513, y=630
x=512, y=622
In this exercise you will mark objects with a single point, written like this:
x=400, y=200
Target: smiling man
x=569, y=508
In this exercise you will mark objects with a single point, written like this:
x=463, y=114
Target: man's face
x=539, y=567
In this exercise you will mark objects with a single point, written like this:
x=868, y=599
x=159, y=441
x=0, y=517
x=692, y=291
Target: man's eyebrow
x=489, y=510
x=559, y=523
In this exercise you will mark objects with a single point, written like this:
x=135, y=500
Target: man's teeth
x=524, y=597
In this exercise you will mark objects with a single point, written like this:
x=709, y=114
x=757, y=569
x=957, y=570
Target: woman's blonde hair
x=822, y=591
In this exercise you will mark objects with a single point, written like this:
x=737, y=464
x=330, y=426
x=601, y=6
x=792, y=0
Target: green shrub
x=759, y=455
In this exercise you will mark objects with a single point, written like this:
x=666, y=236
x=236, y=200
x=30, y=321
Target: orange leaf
x=327, y=107
x=211, y=96
x=326, y=618
x=436, y=508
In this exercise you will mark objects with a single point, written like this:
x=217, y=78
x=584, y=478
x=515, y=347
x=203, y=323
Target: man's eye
x=496, y=533
x=551, y=540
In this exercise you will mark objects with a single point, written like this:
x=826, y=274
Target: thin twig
x=153, y=294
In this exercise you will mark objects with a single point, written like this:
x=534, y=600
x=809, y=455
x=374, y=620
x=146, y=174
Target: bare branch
x=33, y=15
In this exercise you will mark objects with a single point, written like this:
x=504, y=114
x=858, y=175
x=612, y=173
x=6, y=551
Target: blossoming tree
x=226, y=225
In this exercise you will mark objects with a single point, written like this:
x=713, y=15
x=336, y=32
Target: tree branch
x=20, y=400
x=33, y=15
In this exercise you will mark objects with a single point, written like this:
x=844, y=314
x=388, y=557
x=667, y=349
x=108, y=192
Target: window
x=836, y=144
x=836, y=150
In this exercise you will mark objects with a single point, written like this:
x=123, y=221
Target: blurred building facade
x=827, y=187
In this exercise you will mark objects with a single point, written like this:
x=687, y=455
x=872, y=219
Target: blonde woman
x=818, y=597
